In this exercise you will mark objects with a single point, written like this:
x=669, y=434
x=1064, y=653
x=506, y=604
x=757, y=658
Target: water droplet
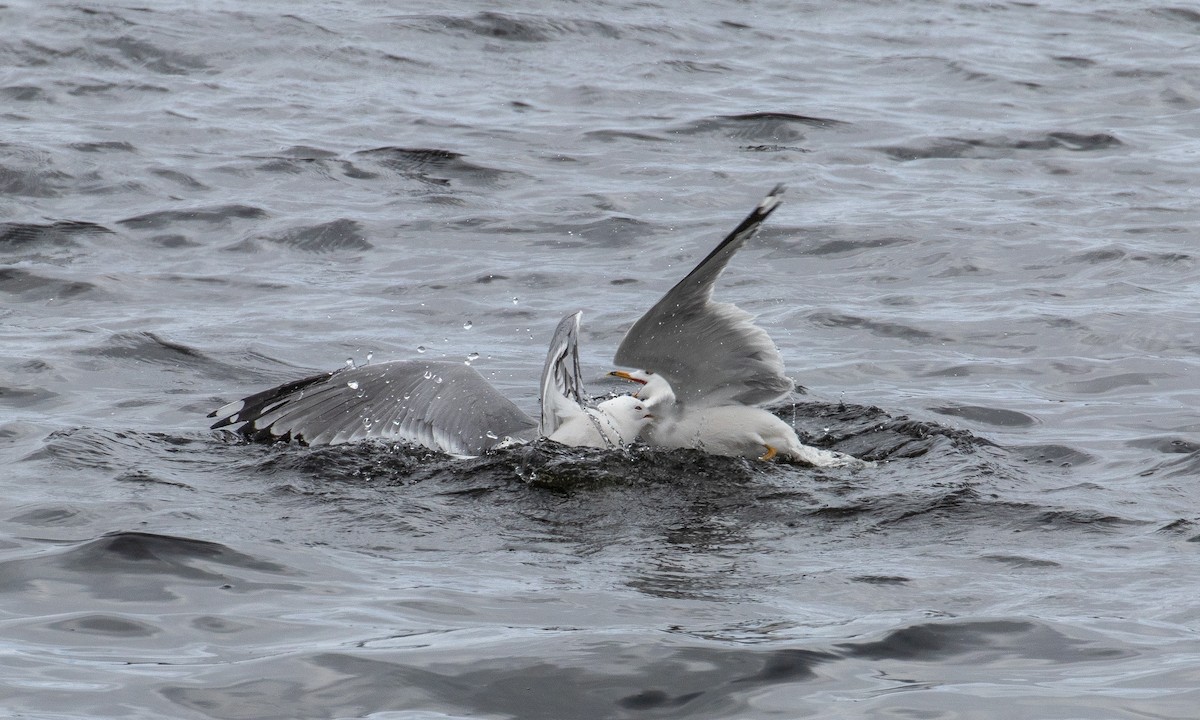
x=369, y=356
x=350, y=362
x=516, y=300
x=438, y=379
x=428, y=374
x=472, y=357
x=467, y=325
x=491, y=435
x=353, y=384
x=420, y=348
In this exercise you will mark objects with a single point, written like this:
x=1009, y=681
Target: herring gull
x=705, y=371
x=706, y=367
x=441, y=405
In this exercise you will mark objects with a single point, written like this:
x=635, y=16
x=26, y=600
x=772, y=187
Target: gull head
x=654, y=390
x=627, y=414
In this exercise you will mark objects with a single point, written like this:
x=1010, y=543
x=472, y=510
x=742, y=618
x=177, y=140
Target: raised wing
x=711, y=353
x=562, y=381
x=442, y=405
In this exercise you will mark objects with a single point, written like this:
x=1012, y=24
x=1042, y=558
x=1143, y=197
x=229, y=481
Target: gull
x=441, y=405
x=706, y=368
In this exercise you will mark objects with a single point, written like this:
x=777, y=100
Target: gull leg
x=771, y=452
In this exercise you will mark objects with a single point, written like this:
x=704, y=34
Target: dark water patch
x=870, y=433
x=433, y=166
x=875, y=327
x=115, y=451
x=26, y=397
x=839, y=246
x=28, y=175
x=219, y=625
x=772, y=128
x=139, y=476
x=1117, y=253
x=27, y=286
x=88, y=449
x=24, y=93
x=1088, y=520
x=512, y=27
x=147, y=347
x=695, y=67
x=989, y=148
x=1167, y=444
x=1020, y=561
x=106, y=626
x=341, y=235
x=1101, y=385
x=179, y=178
x=1182, y=526
x=135, y=53
x=1186, y=466
x=210, y=215
x=774, y=148
x=998, y=417
x=1060, y=455
x=991, y=641
x=103, y=147
x=120, y=89
x=52, y=516
x=306, y=152
x=1073, y=61
x=881, y=579
x=611, y=232
x=141, y=567
x=563, y=677
x=1185, y=14
x=173, y=241
x=618, y=135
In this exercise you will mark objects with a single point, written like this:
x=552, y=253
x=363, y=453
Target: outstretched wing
x=711, y=353
x=442, y=405
x=562, y=381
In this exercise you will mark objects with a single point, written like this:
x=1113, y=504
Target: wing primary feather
x=710, y=352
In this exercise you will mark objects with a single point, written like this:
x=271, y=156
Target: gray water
x=983, y=276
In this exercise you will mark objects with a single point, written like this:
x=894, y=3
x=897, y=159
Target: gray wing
x=711, y=353
x=562, y=381
x=442, y=405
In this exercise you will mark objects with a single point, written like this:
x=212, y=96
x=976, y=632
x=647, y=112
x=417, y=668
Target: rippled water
x=984, y=275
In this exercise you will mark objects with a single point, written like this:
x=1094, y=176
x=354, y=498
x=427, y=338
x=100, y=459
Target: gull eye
x=637, y=407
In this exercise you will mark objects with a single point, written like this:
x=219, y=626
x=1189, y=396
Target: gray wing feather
x=711, y=353
x=562, y=381
x=442, y=405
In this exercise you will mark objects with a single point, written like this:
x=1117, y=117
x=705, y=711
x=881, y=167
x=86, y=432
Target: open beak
x=626, y=376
